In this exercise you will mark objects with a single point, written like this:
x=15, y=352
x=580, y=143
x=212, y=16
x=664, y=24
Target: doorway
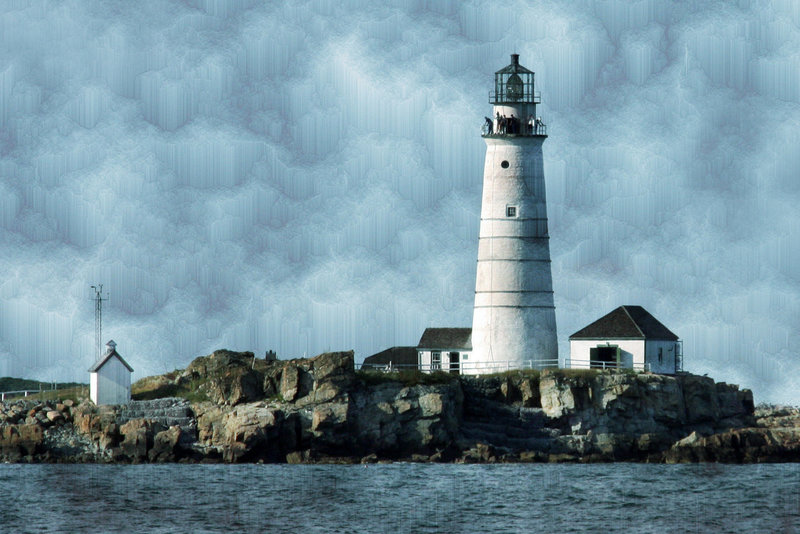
x=454, y=363
x=603, y=355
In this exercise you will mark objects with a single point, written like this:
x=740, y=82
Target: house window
x=511, y=211
x=436, y=361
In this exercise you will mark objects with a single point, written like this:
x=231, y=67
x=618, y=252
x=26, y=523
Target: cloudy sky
x=305, y=175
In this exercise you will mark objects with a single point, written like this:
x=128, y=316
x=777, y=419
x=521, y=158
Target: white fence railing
x=23, y=392
x=44, y=388
x=467, y=367
x=464, y=367
x=570, y=363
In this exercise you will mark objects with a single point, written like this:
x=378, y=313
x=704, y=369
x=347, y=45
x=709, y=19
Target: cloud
x=307, y=176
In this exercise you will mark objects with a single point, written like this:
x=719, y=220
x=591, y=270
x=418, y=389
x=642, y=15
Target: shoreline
x=230, y=408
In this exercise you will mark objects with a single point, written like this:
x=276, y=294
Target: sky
x=304, y=176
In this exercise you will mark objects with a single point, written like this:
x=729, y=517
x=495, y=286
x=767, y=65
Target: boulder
x=251, y=432
x=55, y=416
x=700, y=399
x=333, y=365
x=226, y=377
x=290, y=382
x=165, y=445
x=17, y=441
x=529, y=393
x=138, y=438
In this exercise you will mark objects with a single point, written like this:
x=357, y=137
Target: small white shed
x=110, y=378
x=628, y=337
x=444, y=349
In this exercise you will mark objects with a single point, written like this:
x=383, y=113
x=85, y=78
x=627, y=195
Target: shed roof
x=111, y=353
x=395, y=355
x=446, y=338
x=626, y=322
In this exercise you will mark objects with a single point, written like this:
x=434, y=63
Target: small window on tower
x=511, y=211
x=504, y=164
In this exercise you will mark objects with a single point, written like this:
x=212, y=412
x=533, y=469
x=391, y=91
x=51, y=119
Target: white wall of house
x=666, y=363
x=425, y=359
x=111, y=384
x=632, y=352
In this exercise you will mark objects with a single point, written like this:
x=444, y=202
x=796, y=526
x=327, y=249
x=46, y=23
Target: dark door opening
x=454, y=362
x=604, y=354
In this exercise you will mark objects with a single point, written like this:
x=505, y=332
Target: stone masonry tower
x=514, y=320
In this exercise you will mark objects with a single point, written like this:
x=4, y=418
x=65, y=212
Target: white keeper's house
x=445, y=349
x=628, y=337
x=110, y=378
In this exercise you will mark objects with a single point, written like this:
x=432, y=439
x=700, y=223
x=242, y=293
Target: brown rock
x=299, y=457
x=328, y=416
x=290, y=382
x=138, y=437
x=165, y=445
x=333, y=364
x=529, y=393
x=55, y=416
x=20, y=440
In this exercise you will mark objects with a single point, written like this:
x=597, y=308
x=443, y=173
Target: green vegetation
x=8, y=383
x=74, y=393
x=526, y=373
x=590, y=373
x=406, y=377
x=43, y=390
x=159, y=387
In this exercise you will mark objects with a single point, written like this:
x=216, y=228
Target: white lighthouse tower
x=514, y=320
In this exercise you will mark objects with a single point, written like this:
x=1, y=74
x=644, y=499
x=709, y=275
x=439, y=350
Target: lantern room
x=513, y=85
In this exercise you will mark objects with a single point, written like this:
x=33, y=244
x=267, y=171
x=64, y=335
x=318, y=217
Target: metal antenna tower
x=98, y=317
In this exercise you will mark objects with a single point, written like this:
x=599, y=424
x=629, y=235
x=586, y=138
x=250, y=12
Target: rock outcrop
x=598, y=416
x=232, y=407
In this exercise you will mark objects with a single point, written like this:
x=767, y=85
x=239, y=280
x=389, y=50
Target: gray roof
x=107, y=356
x=446, y=338
x=632, y=322
x=514, y=67
x=395, y=355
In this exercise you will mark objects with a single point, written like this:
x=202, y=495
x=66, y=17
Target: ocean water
x=400, y=498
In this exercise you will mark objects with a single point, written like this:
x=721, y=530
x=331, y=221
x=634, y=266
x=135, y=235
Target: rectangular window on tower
x=511, y=211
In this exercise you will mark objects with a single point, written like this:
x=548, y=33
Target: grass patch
x=159, y=387
x=8, y=383
x=74, y=393
x=406, y=377
x=590, y=373
x=525, y=373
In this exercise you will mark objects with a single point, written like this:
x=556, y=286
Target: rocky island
x=233, y=407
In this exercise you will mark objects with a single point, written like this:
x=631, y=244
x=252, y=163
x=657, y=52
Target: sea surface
x=400, y=498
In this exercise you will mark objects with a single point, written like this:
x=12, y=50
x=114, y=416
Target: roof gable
x=395, y=355
x=106, y=357
x=446, y=338
x=626, y=322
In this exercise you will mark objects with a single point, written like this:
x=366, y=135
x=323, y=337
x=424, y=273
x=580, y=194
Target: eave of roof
x=102, y=361
x=626, y=322
x=446, y=339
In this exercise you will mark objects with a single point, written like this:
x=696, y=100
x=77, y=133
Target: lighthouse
x=514, y=319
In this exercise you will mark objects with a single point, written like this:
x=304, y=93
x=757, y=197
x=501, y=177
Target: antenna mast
x=98, y=317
